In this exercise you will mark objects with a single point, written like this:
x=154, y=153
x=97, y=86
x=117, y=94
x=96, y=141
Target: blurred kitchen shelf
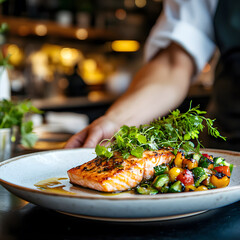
x=53, y=137
x=94, y=105
x=96, y=98
x=24, y=27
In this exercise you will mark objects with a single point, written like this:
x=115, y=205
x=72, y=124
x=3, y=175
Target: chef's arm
x=160, y=86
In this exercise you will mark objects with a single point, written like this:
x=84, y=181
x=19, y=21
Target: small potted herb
x=13, y=119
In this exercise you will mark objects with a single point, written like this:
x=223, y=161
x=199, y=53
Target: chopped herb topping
x=177, y=130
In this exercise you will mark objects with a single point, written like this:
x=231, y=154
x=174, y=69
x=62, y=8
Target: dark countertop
x=22, y=220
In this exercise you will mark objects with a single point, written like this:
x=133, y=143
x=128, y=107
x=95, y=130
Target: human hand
x=90, y=136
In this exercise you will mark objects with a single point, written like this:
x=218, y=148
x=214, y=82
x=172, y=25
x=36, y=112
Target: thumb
x=95, y=135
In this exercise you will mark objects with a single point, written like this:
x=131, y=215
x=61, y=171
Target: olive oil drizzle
x=53, y=185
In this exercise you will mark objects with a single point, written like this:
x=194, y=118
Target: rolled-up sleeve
x=188, y=23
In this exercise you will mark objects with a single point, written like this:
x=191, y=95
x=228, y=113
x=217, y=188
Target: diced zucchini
x=218, y=161
x=160, y=181
x=196, y=156
x=200, y=179
x=164, y=189
x=176, y=187
x=210, y=186
x=199, y=175
x=198, y=172
x=231, y=167
x=205, y=162
x=146, y=191
x=160, y=169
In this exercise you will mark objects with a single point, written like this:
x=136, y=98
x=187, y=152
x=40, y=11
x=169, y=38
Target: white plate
x=19, y=175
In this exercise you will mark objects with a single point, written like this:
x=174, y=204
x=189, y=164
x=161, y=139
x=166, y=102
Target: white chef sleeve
x=188, y=23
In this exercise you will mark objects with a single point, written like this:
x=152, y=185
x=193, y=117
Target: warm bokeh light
x=120, y=14
x=41, y=30
x=95, y=96
x=129, y=3
x=53, y=52
x=140, y=3
x=90, y=65
x=91, y=73
x=40, y=66
x=125, y=46
x=82, y=33
x=16, y=54
x=69, y=56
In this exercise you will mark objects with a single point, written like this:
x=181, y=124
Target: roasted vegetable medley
x=192, y=172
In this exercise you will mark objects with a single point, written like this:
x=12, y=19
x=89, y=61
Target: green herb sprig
x=13, y=114
x=176, y=131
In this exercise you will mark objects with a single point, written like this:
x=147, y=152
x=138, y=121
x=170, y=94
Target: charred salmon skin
x=118, y=174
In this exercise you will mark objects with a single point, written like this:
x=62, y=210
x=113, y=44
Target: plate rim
x=133, y=220
x=109, y=197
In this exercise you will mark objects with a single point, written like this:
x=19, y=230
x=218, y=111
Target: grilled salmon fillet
x=118, y=174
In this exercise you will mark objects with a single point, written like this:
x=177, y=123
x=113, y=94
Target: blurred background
x=73, y=58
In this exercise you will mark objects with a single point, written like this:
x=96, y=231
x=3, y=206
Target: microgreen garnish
x=176, y=131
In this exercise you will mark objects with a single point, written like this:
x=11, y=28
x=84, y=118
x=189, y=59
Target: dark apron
x=225, y=100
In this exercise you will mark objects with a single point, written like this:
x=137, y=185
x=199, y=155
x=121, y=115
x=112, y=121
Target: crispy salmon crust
x=118, y=174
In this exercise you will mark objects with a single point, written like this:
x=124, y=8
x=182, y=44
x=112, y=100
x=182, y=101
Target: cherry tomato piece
x=223, y=169
x=186, y=177
x=206, y=155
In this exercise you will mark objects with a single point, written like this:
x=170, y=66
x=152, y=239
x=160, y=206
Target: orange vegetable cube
x=220, y=181
x=190, y=163
x=174, y=172
x=201, y=188
x=179, y=159
x=190, y=188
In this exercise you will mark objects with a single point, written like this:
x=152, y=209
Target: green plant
x=14, y=114
x=4, y=61
x=176, y=131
